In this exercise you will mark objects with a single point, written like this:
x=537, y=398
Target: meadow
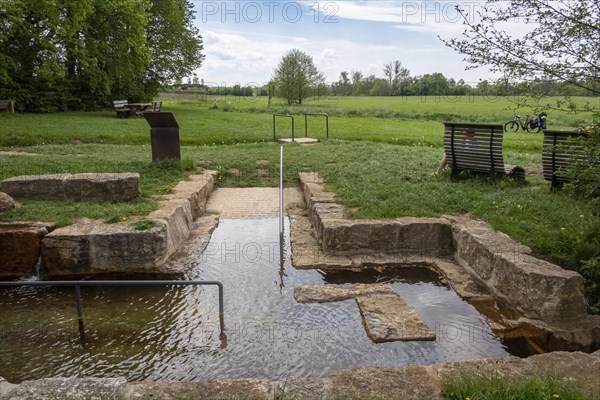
x=379, y=165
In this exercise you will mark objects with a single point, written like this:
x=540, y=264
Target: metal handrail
x=287, y=116
x=77, y=285
x=306, y=123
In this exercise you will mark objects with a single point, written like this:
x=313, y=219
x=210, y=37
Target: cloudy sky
x=244, y=40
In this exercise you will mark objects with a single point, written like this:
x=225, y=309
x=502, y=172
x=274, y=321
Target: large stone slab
x=250, y=389
x=20, y=248
x=110, y=187
x=535, y=288
x=427, y=236
x=326, y=294
x=67, y=389
x=92, y=248
x=47, y=187
x=387, y=318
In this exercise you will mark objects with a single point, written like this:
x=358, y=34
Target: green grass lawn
x=378, y=167
x=487, y=388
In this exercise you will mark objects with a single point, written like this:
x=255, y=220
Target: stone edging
x=94, y=248
x=112, y=187
x=409, y=382
x=535, y=289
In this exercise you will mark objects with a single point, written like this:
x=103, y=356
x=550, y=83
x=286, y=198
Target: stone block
x=20, y=248
x=327, y=294
x=93, y=248
x=387, y=318
x=535, y=288
x=177, y=215
x=109, y=187
x=112, y=187
x=407, y=235
x=46, y=187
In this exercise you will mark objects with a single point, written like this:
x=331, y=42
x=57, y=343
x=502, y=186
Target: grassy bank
x=483, y=388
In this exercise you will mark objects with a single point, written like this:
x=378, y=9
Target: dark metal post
x=326, y=123
x=305, y=125
x=79, y=312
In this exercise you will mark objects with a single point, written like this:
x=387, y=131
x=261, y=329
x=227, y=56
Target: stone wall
x=339, y=235
x=111, y=187
x=408, y=382
x=92, y=248
x=534, y=288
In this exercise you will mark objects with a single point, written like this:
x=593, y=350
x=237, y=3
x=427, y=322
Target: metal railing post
x=326, y=123
x=287, y=116
x=305, y=125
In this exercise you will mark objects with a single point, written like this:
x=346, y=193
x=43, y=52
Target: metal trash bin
x=164, y=136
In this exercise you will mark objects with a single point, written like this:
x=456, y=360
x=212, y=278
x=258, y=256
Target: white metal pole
x=281, y=191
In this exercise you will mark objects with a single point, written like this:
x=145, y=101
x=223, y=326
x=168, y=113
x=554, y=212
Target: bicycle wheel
x=511, y=126
x=534, y=129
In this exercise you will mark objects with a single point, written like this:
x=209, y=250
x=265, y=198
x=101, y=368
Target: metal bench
x=8, y=105
x=557, y=152
x=122, y=109
x=477, y=148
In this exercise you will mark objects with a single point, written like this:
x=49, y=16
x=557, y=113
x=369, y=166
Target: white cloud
x=245, y=58
x=249, y=53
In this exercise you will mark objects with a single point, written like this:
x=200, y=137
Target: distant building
x=187, y=86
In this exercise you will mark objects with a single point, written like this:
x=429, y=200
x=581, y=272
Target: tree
x=561, y=46
x=72, y=54
x=357, y=77
x=343, y=87
x=296, y=76
x=175, y=43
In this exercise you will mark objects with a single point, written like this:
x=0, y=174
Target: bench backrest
x=120, y=103
x=474, y=147
x=8, y=105
x=556, y=153
x=156, y=106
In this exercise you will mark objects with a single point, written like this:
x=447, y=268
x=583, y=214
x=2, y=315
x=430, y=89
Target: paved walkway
x=251, y=202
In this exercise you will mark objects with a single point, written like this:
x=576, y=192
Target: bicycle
x=516, y=122
x=533, y=124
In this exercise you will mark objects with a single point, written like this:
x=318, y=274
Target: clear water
x=173, y=333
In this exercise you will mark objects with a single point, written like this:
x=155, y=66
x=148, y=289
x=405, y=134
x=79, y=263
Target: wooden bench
x=121, y=108
x=156, y=106
x=8, y=105
x=477, y=148
x=556, y=154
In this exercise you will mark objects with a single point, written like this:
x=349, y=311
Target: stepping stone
x=326, y=294
x=300, y=140
x=387, y=318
